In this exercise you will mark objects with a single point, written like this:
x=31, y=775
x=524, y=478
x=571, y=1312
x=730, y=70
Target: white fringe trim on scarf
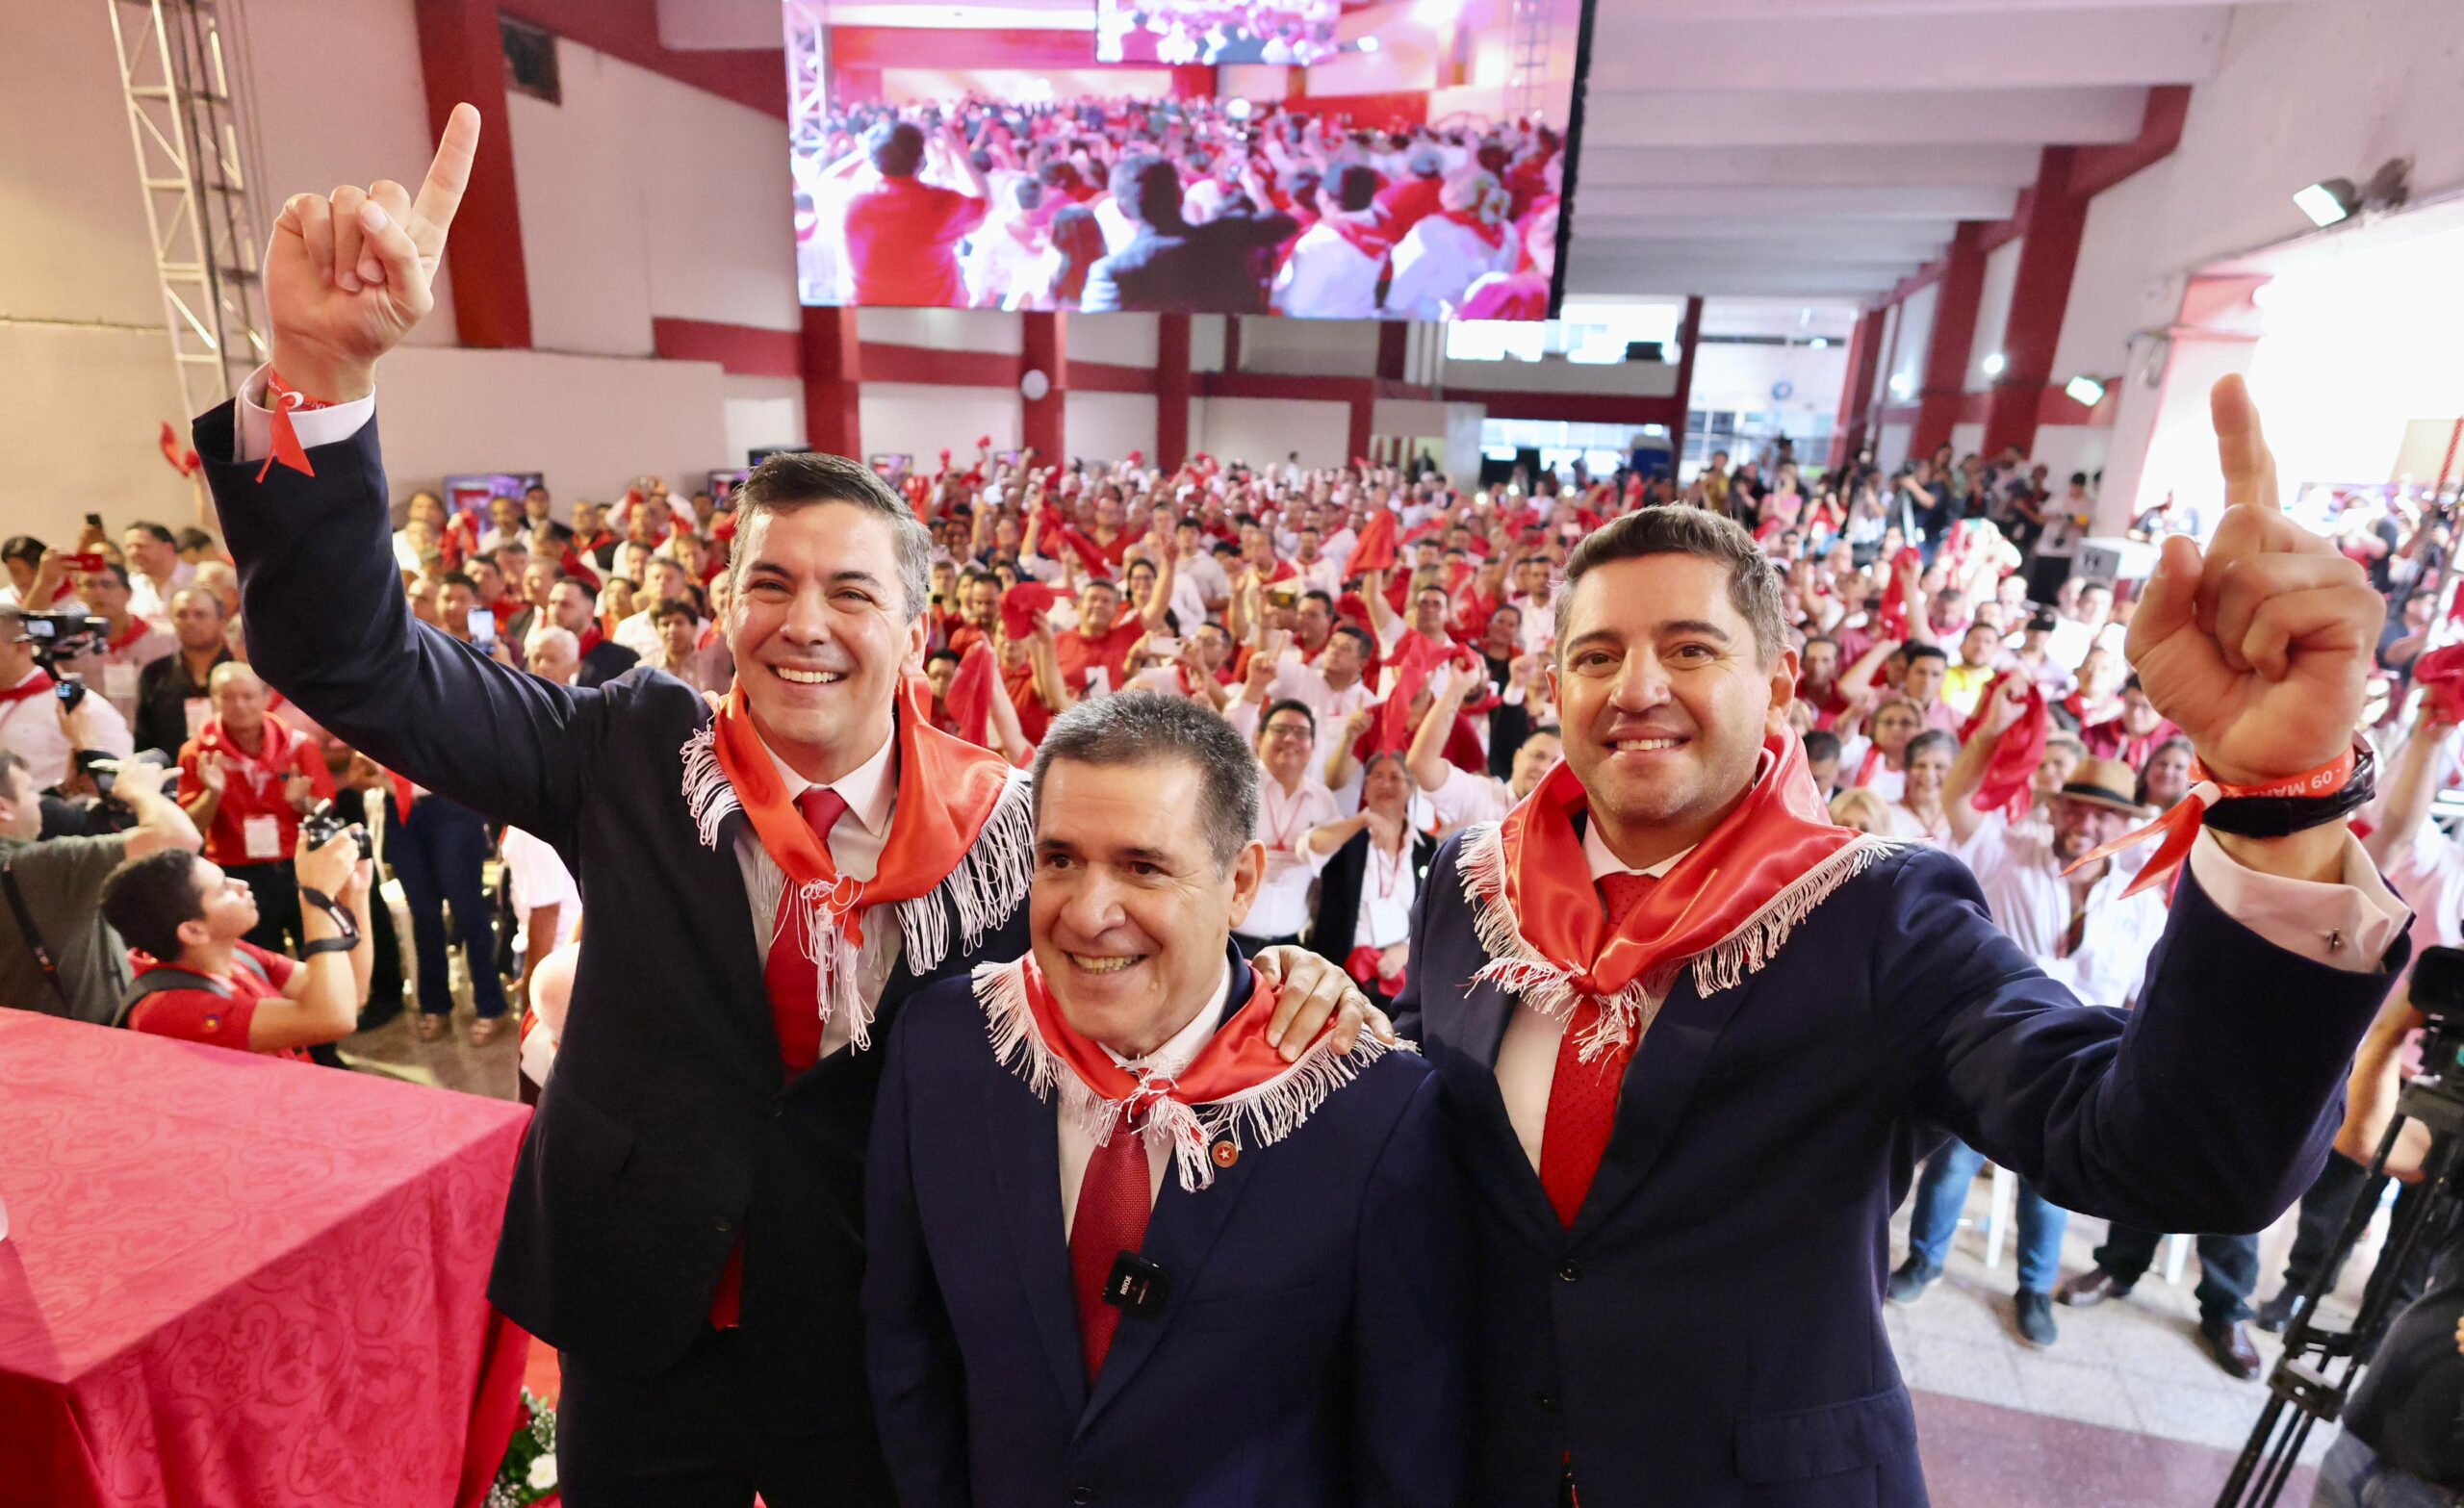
x=1261, y=1115
x=1550, y=987
x=988, y=884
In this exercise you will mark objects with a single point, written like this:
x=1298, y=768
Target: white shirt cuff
x=314, y=426
x=2349, y=926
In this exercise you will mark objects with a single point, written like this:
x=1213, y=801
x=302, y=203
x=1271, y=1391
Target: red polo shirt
x=253, y=792
x=218, y=1016
x=902, y=242
x=1079, y=651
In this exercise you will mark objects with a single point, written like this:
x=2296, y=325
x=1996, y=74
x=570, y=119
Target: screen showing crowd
x=1311, y=158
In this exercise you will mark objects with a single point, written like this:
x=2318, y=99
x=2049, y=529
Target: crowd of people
x=1182, y=205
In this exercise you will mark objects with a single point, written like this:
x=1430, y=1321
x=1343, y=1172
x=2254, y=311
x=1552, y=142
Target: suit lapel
x=1659, y=1083
x=1023, y=1134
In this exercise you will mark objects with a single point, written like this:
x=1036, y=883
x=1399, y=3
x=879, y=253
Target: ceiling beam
x=1855, y=204
x=1858, y=117
x=1813, y=288
x=1974, y=50
x=1915, y=164
x=1858, y=239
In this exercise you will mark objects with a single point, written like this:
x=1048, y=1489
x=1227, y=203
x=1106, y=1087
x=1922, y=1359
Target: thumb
x=384, y=235
x=2171, y=599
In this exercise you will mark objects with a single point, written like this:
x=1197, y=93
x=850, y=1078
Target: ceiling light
x=1821, y=343
x=1366, y=44
x=2085, y=391
x=1900, y=384
x=2329, y=201
x=1994, y=363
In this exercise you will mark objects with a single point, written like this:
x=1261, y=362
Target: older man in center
x=1122, y=1250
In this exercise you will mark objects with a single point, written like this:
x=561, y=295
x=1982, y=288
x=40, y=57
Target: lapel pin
x=1226, y=1154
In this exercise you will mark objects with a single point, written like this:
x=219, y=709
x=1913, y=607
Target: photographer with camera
x=246, y=780
x=208, y=983
x=56, y=955
x=44, y=719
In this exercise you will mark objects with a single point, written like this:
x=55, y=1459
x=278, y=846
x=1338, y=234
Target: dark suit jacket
x=1212, y=268
x=606, y=660
x=1330, y=935
x=666, y=1133
x=1710, y=1333
x=1312, y=1349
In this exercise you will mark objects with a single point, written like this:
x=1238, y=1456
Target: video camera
x=321, y=824
x=59, y=637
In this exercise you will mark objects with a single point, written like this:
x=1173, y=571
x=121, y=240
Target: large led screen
x=1321, y=159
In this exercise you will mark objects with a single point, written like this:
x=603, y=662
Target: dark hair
x=1355, y=188
x=10, y=763
x=158, y=530
x=794, y=479
x=456, y=578
x=1930, y=738
x=1924, y=652
x=145, y=900
x=896, y=148
x=940, y=655
x=1145, y=727
x=1822, y=744
x=114, y=570
x=24, y=549
x=1754, y=583
x=1288, y=704
x=674, y=607
x=1315, y=595
x=195, y=539
x=1148, y=190
x=1368, y=643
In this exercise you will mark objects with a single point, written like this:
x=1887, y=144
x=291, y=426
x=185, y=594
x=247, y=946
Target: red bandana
x=2008, y=784
x=2441, y=676
x=1726, y=907
x=1493, y=236
x=1369, y=240
x=1374, y=550
x=33, y=685
x=1893, y=615
x=949, y=793
x=273, y=760
x=1238, y=1092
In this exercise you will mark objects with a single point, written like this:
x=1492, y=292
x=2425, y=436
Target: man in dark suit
x=1121, y=1251
x=1173, y=267
x=1696, y=1038
x=767, y=886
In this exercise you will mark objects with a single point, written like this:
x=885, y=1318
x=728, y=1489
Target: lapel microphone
x=1136, y=1285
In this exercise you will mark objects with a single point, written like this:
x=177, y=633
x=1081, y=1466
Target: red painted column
x=1857, y=391
x=1363, y=422
x=462, y=58
x=1231, y=343
x=1394, y=348
x=832, y=356
x=2040, y=294
x=1954, y=332
x=1046, y=349
x=1690, y=333
x=1172, y=388
x=1194, y=81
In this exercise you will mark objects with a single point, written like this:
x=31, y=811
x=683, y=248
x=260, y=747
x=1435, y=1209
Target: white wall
x=642, y=196
x=1625, y=379
x=1742, y=377
x=1891, y=447
x=1904, y=381
x=944, y=329
x=761, y=412
x=923, y=421
x=1126, y=340
x=1106, y=427
x=2117, y=249
x=1310, y=347
x=2305, y=93
x=1993, y=311
x=1264, y=430
x=1967, y=438
x=2065, y=448
x=1206, y=342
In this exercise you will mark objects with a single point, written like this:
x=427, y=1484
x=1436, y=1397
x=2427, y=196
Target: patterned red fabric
x=1114, y=1203
x=1582, y=1096
x=265, y=1285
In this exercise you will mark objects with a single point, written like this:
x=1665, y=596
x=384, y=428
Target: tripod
x=2315, y=1378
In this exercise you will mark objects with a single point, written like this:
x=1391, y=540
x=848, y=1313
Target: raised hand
x=349, y=274
x=2260, y=649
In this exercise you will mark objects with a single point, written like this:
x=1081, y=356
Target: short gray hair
x=1149, y=727
x=1680, y=529
x=800, y=479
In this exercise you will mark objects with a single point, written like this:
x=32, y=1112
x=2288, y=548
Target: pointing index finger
x=2241, y=448
x=440, y=191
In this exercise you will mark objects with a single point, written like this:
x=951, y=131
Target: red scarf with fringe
x=1238, y=1092
x=1537, y=879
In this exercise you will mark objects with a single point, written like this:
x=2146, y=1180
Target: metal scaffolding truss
x=807, y=73
x=185, y=118
x=1534, y=30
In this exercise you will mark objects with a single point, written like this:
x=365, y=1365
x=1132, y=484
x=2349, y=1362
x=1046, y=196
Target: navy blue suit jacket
x=1312, y=1349
x=667, y=1134
x=1709, y=1331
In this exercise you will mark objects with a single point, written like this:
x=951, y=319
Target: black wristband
x=2280, y=816
x=309, y=950
x=341, y=914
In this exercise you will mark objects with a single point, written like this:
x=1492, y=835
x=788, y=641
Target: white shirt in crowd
x=1388, y=885
x=114, y=671
x=1285, y=818
x=1539, y=627
x=537, y=877
x=2031, y=902
x=1078, y=1149
x=29, y=728
x=1885, y=782
x=1438, y=260
x=1306, y=684
x=1327, y=278
x=1466, y=798
x=152, y=599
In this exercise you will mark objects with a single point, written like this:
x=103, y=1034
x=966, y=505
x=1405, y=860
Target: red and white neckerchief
x=1285, y=825
x=137, y=629
x=1865, y=766
x=285, y=401
x=34, y=685
x=2181, y=823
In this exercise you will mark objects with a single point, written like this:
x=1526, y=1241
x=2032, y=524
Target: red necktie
x=1582, y=1096
x=793, y=979
x=794, y=982
x=1114, y=1203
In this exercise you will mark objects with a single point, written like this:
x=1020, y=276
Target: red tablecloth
x=239, y=1282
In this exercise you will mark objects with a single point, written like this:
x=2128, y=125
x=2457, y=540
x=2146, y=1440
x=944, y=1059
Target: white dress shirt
x=1466, y=798
x=151, y=601
x=1174, y=1058
x=29, y=728
x=1388, y=885
x=538, y=877
x=1285, y=819
x=1327, y=278
x=1329, y=708
x=2032, y=902
x=870, y=791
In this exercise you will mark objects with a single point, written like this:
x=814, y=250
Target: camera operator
x=55, y=894
x=2404, y=1431
x=209, y=984
x=246, y=780
x=37, y=723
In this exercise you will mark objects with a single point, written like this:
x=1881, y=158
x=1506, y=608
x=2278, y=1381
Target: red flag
x=970, y=698
x=1894, y=614
x=2007, y=785
x=1376, y=547
x=1091, y=553
x=1022, y=605
x=183, y=462
x=2441, y=674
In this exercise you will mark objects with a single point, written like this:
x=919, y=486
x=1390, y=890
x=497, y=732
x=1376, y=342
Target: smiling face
x=1130, y=913
x=1284, y=743
x=2080, y=826
x=1664, y=698
x=819, y=628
